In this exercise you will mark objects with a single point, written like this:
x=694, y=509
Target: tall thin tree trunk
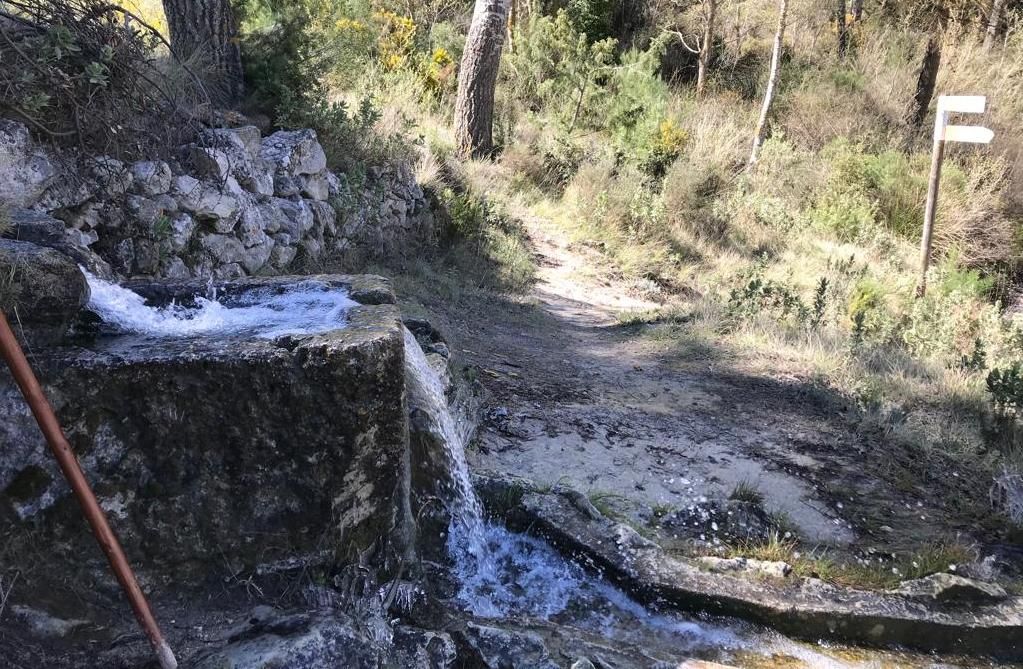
x=205, y=33
x=477, y=78
x=513, y=17
x=994, y=21
x=926, y=81
x=706, y=47
x=772, y=82
x=840, y=27
x=857, y=10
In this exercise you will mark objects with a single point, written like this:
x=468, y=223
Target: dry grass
x=879, y=573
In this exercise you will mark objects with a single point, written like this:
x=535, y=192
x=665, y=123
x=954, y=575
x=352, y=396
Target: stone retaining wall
x=233, y=204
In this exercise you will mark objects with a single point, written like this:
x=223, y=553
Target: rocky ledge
x=943, y=613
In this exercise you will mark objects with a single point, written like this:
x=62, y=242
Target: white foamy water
x=305, y=307
x=503, y=574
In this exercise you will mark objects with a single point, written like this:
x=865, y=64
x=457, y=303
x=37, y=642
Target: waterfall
x=502, y=573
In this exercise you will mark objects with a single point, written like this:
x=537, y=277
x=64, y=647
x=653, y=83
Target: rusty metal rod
x=48, y=423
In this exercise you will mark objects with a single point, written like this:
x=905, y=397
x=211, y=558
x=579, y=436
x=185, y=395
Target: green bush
x=348, y=136
x=292, y=49
x=76, y=74
x=591, y=17
x=485, y=244
x=555, y=68
x=1006, y=387
x=845, y=212
x=756, y=295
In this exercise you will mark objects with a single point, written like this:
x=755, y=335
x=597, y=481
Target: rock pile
x=234, y=204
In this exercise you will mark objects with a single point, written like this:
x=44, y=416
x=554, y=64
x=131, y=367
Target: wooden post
x=943, y=132
x=929, y=211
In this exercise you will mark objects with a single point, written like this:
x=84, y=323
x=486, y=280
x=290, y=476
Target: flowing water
x=305, y=307
x=501, y=574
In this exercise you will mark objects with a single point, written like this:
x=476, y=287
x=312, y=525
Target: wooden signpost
x=943, y=132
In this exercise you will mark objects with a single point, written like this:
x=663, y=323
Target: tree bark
x=926, y=81
x=994, y=21
x=840, y=28
x=477, y=79
x=772, y=82
x=857, y=10
x=204, y=33
x=706, y=47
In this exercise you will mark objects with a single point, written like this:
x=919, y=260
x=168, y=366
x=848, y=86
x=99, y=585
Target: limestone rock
x=297, y=217
x=315, y=186
x=294, y=152
x=227, y=249
x=151, y=177
x=282, y=256
x=324, y=217
x=948, y=588
x=43, y=625
x=499, y=648
x=207, y=479
x=181, y=228
x=36, y=227
x=175, y=268
x=45, y=290
x=25, y=171
x=81, y=237
x=204, y=201
x=770, y=568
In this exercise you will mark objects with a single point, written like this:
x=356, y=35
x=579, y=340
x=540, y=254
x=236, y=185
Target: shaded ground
x=650, y=429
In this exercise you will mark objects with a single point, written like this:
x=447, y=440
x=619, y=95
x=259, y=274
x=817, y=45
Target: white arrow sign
x=964, y=104
x=968, y=133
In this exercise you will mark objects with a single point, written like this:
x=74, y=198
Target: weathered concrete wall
x=212, y=452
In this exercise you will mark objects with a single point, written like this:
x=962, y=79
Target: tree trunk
x=926, y=81
x=857, y=10
x=994, y=20
x=513, y=16
x=204, y=34
x=706, y=47
x=772, y=82
x=477, y=78
x=840, y=28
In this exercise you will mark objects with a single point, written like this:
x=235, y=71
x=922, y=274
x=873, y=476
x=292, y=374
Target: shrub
x=291, y=49
x=349, y=135
x=755, y=295
x=485, y=244
x=85, y=73
x=845, y=212
x=554, y=67
x=1006, y=387
x=866, y=298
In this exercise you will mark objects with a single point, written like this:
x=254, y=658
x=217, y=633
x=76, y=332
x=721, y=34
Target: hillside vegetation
x=804, y=265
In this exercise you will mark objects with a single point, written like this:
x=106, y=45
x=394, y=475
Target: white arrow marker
x=968, y=133
x=964, y=104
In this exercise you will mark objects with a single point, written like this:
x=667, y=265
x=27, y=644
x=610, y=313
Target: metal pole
x=50, y=427
x=932, y=201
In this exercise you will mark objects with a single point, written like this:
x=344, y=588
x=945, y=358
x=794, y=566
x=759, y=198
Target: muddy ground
x=651, y=429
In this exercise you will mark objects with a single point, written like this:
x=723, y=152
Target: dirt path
x=580, y=399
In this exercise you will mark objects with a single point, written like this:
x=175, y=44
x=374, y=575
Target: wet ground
x=650, y=429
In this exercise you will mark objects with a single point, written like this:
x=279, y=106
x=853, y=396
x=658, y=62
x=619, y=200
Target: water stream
x=501, y=574
x=305, y=307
